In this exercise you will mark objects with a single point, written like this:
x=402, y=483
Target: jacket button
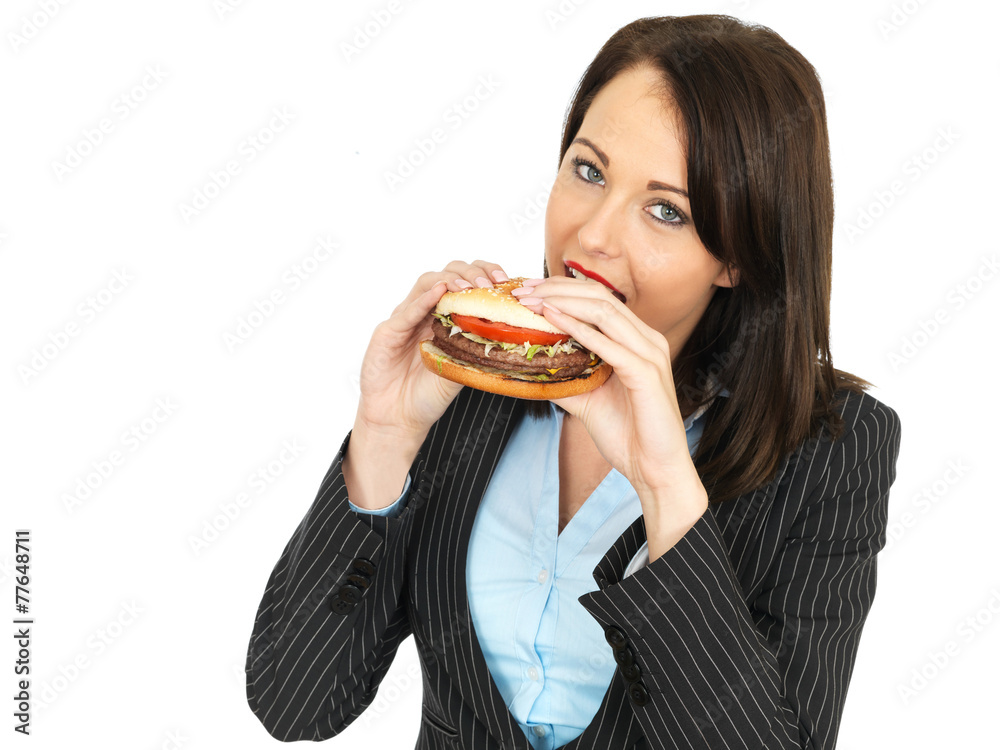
x=363, y=566
x=638, y=694
x=624, y=656
x=615, y=637
x=362, y=582
x=631, y=673
x=350, y=594
x=339, y=606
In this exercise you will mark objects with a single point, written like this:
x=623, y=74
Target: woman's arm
x=771, y=672
x=332, y=615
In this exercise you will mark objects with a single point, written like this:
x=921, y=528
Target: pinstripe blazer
x=743, y=635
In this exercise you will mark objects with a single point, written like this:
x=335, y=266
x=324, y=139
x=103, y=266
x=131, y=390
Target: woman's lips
x=569, y=264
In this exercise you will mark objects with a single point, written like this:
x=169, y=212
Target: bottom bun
x=503, y=382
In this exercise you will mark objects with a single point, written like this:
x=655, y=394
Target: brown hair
x=761, y=196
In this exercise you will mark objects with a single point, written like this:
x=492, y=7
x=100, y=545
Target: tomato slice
x=505, y=333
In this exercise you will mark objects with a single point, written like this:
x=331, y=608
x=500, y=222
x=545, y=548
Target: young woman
x=705, y=524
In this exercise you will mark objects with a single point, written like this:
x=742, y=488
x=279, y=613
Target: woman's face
x=619, y=209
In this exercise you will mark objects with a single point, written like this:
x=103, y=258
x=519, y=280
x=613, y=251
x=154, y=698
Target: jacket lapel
x=466, y=661
x=614, y=724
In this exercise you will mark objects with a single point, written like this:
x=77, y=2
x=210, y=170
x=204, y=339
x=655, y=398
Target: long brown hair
x=761, y=196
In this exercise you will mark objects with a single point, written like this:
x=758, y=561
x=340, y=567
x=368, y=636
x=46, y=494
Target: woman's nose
x=602, y=232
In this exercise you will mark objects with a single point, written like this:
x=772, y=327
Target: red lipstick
x=594, y=276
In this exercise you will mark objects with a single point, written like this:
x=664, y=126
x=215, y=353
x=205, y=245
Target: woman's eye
x=589, y=173
x=665, y=212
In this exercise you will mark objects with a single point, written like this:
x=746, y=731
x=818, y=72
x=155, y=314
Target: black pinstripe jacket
x=743, y=635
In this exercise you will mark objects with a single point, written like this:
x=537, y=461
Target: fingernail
x=551, y=306
x=500, y=276
x=529, y=300
x=463, y=283
x=483, y=281
x=532, y=282
x=520, y=290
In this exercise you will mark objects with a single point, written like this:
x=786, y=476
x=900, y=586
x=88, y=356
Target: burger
x=486, y=339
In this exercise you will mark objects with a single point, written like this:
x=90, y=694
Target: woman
x=720, y=500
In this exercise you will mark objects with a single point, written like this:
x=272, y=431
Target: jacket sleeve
x=772, y=672
x=332, y=616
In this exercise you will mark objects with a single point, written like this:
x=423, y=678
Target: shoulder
x=855, y=407
x=866, y=419
x=862, y=455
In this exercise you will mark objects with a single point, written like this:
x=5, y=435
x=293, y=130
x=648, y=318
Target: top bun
x=495, y=303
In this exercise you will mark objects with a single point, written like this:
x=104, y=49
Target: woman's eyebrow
x=600, y=154
x=654, y=185
x=606, y=162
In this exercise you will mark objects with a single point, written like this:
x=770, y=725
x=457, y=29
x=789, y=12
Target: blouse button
x=533, y=673
x=543, y=576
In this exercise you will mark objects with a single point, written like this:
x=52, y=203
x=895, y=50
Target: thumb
x=417, y=310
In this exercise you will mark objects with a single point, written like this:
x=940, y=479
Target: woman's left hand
x=633, y=419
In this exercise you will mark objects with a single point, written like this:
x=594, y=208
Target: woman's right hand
x=399, y=396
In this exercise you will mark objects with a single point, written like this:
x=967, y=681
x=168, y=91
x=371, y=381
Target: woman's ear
x=729, y=276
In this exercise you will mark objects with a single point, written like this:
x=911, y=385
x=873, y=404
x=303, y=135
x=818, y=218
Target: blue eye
x=670, y=214
x=589, y=173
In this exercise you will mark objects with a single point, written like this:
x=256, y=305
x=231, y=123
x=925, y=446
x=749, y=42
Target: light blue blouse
x=546, y=654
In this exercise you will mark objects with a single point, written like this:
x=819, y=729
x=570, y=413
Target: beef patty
x=466, y=349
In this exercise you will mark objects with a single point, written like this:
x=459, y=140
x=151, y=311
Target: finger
x=425, y=282
x=590, y=289
x=634, y=372
x=604, y=329
x=493, y=271
x=478, y=273
x=410, y=313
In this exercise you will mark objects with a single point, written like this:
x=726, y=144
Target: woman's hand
x=399, y=396
x=633, y=419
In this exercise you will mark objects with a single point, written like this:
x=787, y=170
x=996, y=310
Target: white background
x=163, y=627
